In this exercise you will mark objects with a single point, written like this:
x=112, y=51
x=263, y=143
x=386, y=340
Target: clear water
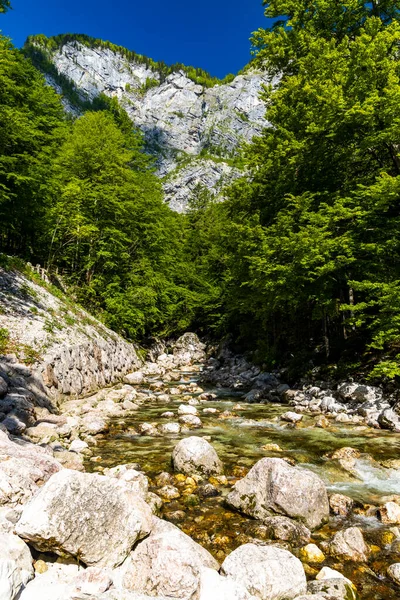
x=239, y=441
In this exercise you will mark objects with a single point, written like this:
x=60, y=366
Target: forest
x=299, y=266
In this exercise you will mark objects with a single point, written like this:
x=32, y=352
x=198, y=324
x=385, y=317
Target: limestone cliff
x=194, y=131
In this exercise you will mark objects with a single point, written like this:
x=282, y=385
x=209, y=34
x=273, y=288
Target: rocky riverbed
x=184, y=482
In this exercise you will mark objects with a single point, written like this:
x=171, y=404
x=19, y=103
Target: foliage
x=31, y=126
x=311, y=268
x=4, y=6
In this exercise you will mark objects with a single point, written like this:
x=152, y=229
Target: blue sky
x=212, y=34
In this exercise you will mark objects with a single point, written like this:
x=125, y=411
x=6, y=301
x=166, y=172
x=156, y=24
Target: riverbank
x=111, y=453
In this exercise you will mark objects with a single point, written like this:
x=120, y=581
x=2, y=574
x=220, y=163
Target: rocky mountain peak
x=193, y=124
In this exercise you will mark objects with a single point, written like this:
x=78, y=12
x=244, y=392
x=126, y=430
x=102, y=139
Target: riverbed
x=242, y=434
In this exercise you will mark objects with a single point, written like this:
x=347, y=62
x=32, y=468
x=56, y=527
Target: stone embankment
x=70, y=352
x=70, y=535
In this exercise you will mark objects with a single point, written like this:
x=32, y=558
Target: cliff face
x=70, y=352
x=193, y=131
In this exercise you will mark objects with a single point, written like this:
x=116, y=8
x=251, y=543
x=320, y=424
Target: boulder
x=332, y=589
x=273, y=486
x=3, y=387
x=191, y=421
x=312, y=554
x=23, y=468
x=283, y=528
x=390, y=513
x=15, y=566
x=196, y=455
x=356, y=392
x=349, y=544
x=340, y=504
x=56, y=583
x=167, y=563
x=213, y=586
x=291, y=417
x=94, y=423
x=267, y=572
x=94, y=518
x=170, y=428
x=136, y=378
x=394, y=572
x=186, y=409
x=389, y=419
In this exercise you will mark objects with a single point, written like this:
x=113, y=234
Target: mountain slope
x=194, y=130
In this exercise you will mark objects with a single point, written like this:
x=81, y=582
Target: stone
x=291, y=417
x=56, y=583
x=341, y=505
x=172, y=428
x=389, y=419
x=390, y=513
x=349, y=544
x=94, y=518
x=15, y=566
x=215, y=587
x=167, y=563
x=78, y=446
x=273, y=486
x=394, y=572
x=191, y=421
x=311, y=553
x=93, y=580
x=23, y=468
x=128, y=473
x=13, y=424
x=355, y=392
x=94, y=423
x=149, y=429
x=169, y=492
x=195, y=455
x=3, y=387
x=332, y=589
x=267, y=572
x=186, y=409
x=136, y=378
x=283, y=528
x=328, y=573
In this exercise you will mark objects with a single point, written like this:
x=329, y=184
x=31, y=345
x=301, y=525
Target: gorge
x=199, y=317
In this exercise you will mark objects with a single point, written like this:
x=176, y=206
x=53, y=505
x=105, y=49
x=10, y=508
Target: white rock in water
x=273, y=485
x=186, y=409
x=94, y=518
x=167, y=563
x=15, y=566
x=349, y=544
x=394, y=572
x=136, y=378
x=196, y=455
x=78, y=446
x=267, y=572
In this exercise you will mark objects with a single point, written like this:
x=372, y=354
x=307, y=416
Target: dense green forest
x=300, y=265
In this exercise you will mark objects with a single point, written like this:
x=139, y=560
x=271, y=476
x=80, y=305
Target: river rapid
x=242, y=434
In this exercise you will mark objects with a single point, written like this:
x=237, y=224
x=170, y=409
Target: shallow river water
x=238, y=432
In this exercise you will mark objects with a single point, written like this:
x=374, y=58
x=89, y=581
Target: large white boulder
x=267, y=572
x=167, y=563
x=273, y=486
x=196, y=455
x=214, y=586
x=94, y=518
x=15, y=566
x=23, y=468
